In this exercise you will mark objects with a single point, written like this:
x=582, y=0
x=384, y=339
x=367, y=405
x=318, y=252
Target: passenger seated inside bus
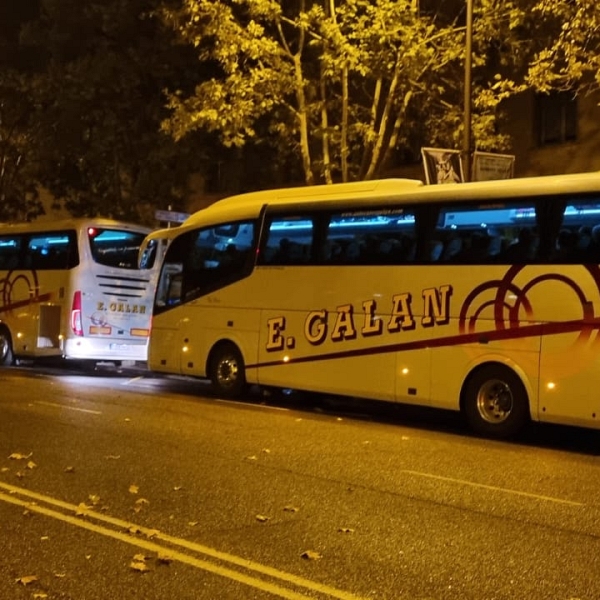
x=523, y=249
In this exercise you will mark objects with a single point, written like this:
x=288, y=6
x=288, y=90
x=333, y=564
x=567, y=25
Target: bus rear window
x=115, y=247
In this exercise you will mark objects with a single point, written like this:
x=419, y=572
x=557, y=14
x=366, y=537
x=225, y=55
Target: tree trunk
x=393, y=140
x=383, y=124
x=325, y=127
x=344, y=127
x=303, y=122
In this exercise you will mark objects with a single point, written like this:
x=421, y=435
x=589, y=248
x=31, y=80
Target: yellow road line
x=125, y=526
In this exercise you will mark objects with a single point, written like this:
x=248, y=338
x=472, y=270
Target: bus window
x=370, y=237
x=55, y=250
x=10, y=248
x=203, y=260
x=288, y=241
x=115, y=248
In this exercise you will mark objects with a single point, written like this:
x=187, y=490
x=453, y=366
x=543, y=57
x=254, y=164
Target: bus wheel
x=226, y=371
x=495, y=402
x=6, y=349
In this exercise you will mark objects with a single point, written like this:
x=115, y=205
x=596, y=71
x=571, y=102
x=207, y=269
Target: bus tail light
x=76, y=322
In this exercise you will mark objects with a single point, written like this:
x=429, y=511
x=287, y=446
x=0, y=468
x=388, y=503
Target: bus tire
x=495, y=402
x=226, y=371
x=6, y=350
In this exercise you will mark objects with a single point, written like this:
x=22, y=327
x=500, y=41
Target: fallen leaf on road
x=82, y=509
x=310, y=555
x=94, y=499
x=19, y=456
x=60, y=575
x=31, y=465
x=139, y=504
x=192, y=523
x=4, y=469
x=150, y=533
x=262, y=518
x=139, y=557
x=345, y=530
x=113, y=457
x=40, y=595
x=27, y=579
x=177, y=488
x=134, y=489
x=164, y=559
x=139, y=566
x=251, y=457
x=291, y=509
x=70, y=470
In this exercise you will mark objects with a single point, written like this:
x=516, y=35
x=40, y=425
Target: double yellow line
x=247, y=572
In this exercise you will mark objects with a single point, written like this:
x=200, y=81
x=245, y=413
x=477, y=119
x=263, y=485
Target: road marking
x=133, y=380
x=55, y=405
x=493, y=488
x=256, y=404
x=125, y=526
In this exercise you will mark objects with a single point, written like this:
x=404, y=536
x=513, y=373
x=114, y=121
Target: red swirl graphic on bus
x=20, y=289
x=512, y=312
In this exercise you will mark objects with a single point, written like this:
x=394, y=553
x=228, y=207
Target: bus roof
x=74, y=223
x=383, y=191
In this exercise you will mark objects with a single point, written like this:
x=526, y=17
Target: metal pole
x=467, y=97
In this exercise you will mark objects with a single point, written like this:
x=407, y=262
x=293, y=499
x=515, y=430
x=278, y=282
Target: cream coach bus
x=479, y=297
x=72, y=289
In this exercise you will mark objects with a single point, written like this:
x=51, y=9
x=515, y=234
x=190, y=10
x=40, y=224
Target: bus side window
x=288, y=241
x=369, y=237
x=10, y=247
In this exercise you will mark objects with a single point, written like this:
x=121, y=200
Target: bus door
x=198, y=264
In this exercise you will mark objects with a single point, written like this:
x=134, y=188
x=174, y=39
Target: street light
x=466, y=147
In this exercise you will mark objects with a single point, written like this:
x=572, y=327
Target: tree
x=99, y=107
x=341, y=86
x=19, y=199
x=570, y=58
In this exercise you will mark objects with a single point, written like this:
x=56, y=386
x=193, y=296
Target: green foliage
x=19, y=198
x=113, y=104
x=346, y=85
x=18, y=191
x=570, y=56
x=99, y=105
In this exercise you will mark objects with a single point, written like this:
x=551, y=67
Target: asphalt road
x=120, y=485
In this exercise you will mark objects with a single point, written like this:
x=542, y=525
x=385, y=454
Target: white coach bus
x=480, y=297
x=73, y=289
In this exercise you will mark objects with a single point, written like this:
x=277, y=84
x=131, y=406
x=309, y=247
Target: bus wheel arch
x=226, y=369
x=494, y=401
x=7, y=356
